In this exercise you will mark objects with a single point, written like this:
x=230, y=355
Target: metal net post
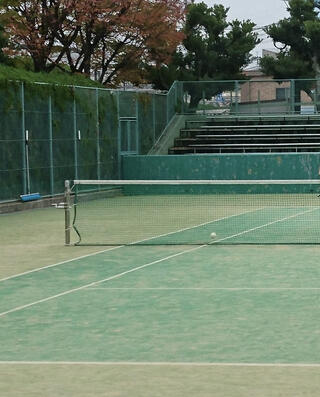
x=67, y=202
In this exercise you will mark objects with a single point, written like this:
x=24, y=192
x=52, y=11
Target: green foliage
x=56, y=84
x=287, y=66
x=213, y=49
x=22, y=62
x=297, y=37
x=55, y=77
x=61, y=87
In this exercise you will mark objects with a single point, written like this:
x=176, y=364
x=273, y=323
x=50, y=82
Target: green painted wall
x=223, y=166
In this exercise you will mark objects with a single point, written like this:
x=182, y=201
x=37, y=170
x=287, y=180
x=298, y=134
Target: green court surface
x=203, y=320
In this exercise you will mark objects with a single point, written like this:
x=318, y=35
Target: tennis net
x=159, y=212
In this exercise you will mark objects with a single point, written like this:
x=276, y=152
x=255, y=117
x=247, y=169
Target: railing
x=255, y=96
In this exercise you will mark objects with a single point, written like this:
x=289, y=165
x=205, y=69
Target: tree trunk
x=194, y=102
x=39, y=64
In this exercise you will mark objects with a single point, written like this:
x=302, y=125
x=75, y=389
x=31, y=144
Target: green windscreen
x=196, y=212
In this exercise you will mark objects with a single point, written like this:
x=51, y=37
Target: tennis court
x=203, y=319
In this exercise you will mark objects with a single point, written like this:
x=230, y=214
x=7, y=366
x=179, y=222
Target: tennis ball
x=213, y=235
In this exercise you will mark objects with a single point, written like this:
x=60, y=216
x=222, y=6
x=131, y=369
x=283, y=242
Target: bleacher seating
x=250, y=134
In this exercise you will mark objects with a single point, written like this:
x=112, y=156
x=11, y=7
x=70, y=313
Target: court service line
x=99, y=281
x=120, y=246
x=161, y=363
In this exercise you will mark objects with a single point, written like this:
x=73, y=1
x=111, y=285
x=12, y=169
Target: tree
x=115, y=39
x=32, y=27
x=213, y=49
x=297, y=38
x=103, y=35
x=3, y=43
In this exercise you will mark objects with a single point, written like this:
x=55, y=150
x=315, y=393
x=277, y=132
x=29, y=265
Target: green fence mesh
x=82, y=133
x=251, y=96
x=73, y=133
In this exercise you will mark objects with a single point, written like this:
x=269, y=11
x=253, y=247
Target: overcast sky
x=261, y=12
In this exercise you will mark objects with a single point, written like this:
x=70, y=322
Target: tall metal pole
x=75, y=138
x=67, y=223
x=153, y=119
x=119, y=136
x=51, y=146
x=98, y=136
x=137, y=131
x=23, y=132
x=292, y=95
x=237, y=96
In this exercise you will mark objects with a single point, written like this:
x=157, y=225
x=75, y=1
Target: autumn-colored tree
x=32, y=27
x=103, y=35
x=148, y=33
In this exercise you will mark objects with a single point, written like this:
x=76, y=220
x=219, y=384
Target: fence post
x=316, y=95
x=237, y=96
x=75, y=137
x=98, y=135
x=138, y=140
x=154, y=118
x=119, y=135
x=167, y=107
x=51, y=146
x=129, y=131
x=292, y=96
x=23, y=136
x=175, y=97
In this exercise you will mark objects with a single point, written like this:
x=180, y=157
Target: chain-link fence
x=52, y=133
x=49, y=134
x=254, y=96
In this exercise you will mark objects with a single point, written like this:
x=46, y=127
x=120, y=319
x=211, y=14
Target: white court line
x=59, y=263
x=98, y=282
x=210, y=289
x=261, y=226
x=120, y=246
x=201, y=224
x=137, y=268
x=161, y=363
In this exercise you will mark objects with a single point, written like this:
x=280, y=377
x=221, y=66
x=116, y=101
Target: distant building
x=261, y=87
x=269, y=53
x=264, y=94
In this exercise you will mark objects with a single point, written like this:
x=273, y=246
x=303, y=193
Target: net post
x=67, y=227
